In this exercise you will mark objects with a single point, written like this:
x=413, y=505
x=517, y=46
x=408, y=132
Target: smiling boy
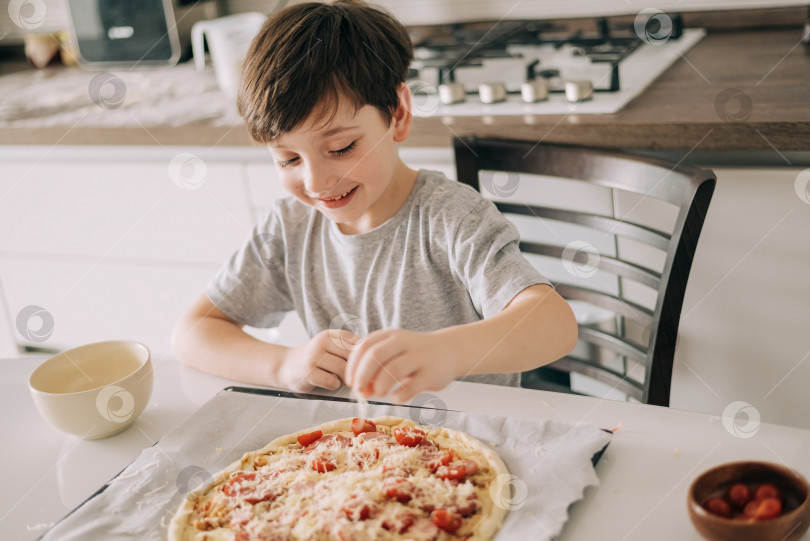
x=425, y=264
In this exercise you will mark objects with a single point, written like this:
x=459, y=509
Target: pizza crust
x=492, y=515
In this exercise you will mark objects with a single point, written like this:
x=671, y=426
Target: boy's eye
x=344, y=150
x=285, y=163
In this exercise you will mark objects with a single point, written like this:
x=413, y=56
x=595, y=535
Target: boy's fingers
x=373, y=361
x=357, y=353
x=342, y=342
x=321, y=378
x=411, y=387
x=333, y=364
x=394, y=372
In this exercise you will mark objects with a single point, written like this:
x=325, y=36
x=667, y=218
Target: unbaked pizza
x=352, y=479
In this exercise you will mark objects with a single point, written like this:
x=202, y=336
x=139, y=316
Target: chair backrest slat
x=612, y=226
x=617, y=305
x=617, y=380
x=613, y=343
x=625, y=269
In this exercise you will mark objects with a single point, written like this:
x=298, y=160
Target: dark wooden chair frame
x=688, y=188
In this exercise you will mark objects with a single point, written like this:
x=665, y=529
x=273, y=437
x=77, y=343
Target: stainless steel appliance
x=134, y=33
x=539, y=67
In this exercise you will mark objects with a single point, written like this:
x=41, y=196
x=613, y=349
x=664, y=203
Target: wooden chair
x=624, y=229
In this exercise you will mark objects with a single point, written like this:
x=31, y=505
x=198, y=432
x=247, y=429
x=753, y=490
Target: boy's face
x=348, y=169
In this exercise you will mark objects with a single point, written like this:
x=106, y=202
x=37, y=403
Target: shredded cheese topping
x=345, y=487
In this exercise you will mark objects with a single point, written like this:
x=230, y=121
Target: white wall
x=412, y=12
x=51, y=15
x=745, y=326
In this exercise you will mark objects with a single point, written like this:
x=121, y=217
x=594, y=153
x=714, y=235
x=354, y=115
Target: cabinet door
x=171, y=210
x=85, y=301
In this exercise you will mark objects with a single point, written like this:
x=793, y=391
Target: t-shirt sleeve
x=251, y=287
x=488, y=260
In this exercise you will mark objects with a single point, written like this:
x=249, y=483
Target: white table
x=645, y=471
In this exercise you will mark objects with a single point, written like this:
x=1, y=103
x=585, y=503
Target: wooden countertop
x=735, y=90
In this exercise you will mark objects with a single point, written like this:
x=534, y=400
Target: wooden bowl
x=789, y=526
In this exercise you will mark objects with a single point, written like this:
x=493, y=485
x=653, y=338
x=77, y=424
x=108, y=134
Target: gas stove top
x=537, y=68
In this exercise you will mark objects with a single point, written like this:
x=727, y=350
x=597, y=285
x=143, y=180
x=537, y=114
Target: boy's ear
x=402, y=116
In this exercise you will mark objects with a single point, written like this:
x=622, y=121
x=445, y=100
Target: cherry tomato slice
x=321, y=464
x=738, y=495
x=306, y=439
x=717, y=506
x=446, y=520
x=362, y=425
x=356, y=508
x=231, y=488
x=764, y=509
x=767, y=490
x=436, y=460
x=398, y=488
x=457, y=470
x=410, y=437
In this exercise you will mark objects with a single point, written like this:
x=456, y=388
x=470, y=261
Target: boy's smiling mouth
x=338, y=200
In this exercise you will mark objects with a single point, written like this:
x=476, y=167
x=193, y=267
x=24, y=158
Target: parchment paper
x=549, y=462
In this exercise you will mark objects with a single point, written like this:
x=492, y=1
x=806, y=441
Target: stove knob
x=580, y=90
x=533, y=91
x=492, y=92
x=452, y=93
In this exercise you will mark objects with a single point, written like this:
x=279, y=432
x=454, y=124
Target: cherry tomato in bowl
x=750, y=501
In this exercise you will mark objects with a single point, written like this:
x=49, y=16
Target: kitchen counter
x=644, y=473
x=735, y=90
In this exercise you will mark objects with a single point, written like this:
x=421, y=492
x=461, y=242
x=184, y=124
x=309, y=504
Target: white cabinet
x=115, y=242
x=113, y=248
x=129, y=210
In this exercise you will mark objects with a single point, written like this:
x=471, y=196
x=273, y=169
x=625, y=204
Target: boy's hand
x=415, y=361
x=320, y=362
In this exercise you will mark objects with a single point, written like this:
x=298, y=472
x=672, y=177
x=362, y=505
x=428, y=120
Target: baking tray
x=292, y=395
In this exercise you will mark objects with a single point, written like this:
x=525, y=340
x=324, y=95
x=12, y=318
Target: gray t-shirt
x=447, y=257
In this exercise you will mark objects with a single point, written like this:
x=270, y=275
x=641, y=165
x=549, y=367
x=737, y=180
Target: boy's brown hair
x=308, y=54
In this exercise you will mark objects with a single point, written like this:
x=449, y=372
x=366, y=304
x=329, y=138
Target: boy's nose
x=319, y=180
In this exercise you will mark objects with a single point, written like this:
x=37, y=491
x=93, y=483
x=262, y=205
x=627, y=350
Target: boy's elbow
x=182, y=338
x=571, y=331
x=176, y=340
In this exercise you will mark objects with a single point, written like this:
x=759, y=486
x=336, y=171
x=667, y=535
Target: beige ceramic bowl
x=96, y=390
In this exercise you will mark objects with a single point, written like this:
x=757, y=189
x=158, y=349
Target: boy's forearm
x=221, y=348
x=536, y=328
